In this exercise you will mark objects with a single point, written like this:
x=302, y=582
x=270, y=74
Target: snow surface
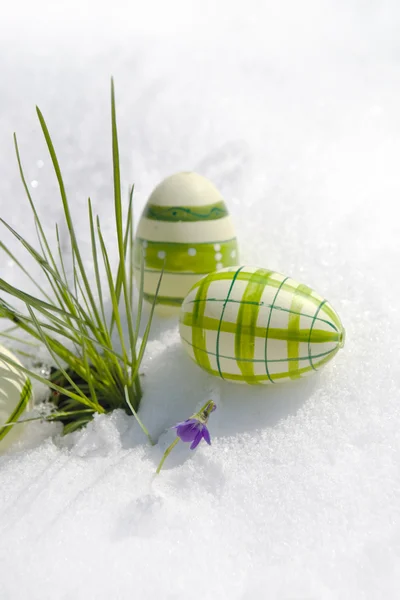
x=292, y=109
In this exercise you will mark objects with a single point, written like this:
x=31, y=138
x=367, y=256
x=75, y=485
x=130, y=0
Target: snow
x=292, y=109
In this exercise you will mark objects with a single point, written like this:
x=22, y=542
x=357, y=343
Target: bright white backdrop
x=292, y=109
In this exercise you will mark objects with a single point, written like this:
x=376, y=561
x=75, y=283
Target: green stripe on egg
x=296, y=336
x=166, y=300
x=294, y=328
x=251, y=325
x=187, y=258
x=247, y=325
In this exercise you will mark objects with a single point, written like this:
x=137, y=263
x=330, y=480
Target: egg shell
x=12, y=383
x=186, y=229
x=250, y=325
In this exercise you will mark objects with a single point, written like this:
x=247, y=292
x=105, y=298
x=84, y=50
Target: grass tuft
x=96, y=376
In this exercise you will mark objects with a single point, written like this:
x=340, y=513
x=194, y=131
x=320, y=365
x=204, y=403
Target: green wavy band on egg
x=251, y=325
x=208, y=212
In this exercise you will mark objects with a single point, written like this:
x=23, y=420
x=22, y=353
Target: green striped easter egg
x=186, y=229
x=251, y=325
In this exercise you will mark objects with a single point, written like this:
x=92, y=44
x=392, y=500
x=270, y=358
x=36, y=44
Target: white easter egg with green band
x=250, y=325
x=15, y=397
x=185, y=229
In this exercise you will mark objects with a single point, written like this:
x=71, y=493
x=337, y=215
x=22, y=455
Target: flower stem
x=143, y=427
x=205, y=411
x=168, y=450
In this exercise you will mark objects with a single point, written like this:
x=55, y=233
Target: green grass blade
x=51, y=417
x=32, y=205
x=7, y=312
x=114, y=300
x=95, y=260
x=141, y=294
x=84, y=347
x=121, y=265
x=55, y=289
x=41, y=379
x=25, y=324
x=61, y=256
x=68, y=218
x=59, y=288
x=148, y=326
x=30, y=300
x=19, y=409
x=75, y=425
x=25, y=271
x=15, y=338
x=120, y=233
x=55, y=357
x=117, y=176
x=143, y=428
x=129, y=236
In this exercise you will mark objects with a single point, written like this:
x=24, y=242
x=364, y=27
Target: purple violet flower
x=193, y=430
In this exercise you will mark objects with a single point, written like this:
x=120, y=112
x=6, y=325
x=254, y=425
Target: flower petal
x=206, y=435
x=184, y=423
x=197, y=440
x=188, y=431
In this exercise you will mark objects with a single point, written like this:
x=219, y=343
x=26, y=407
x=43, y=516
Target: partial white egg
x=15, y=397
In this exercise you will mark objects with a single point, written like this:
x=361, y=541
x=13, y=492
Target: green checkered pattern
x=251, y=325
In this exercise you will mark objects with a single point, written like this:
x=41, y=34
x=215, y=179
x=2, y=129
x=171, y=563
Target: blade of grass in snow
x=25, y=271
x=19, y=340
x=143, y=428
x=34, y=375
x=148, y=326
x=31, y=203
x=130, y=242
x=67, y=213
x=114, y=300
x=141, y=293
x=127, y=238
x=50, y=417
x=60, y=255
x=84, y=399
x=120, y=235
x=95, y=260
x=23, y=322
